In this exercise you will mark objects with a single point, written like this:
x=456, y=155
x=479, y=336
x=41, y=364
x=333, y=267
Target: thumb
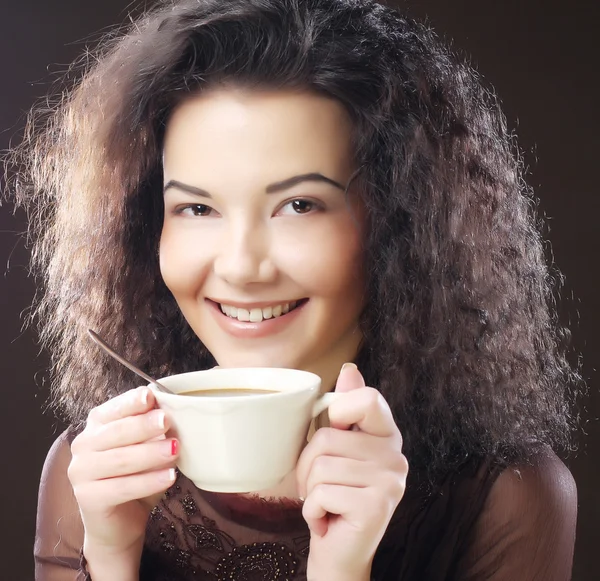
x=349, y=379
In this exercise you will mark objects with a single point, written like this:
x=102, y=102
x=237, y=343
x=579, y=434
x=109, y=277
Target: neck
x=328, y=369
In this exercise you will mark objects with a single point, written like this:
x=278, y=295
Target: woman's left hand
x=352, y=476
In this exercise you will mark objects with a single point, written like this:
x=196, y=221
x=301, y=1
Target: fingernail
x=168, y=476
x=348, y=366
x=174, y=447
x=159, y=420
x=144, y=397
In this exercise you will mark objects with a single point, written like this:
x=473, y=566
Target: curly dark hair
x=460, y=331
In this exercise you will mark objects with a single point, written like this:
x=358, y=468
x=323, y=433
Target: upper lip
x=254, y=305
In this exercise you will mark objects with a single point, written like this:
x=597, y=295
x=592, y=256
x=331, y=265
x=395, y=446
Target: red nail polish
x=174, y=447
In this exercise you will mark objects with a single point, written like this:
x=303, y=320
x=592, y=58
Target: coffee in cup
x=228, y=392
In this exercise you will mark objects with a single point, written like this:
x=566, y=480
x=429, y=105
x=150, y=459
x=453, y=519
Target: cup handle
x=323, y=403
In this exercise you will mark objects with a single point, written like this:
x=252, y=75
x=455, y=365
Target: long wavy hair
x=460, y=331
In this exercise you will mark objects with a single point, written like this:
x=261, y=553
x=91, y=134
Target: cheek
x=328, y=263
x=182, y=267
x=343, y=264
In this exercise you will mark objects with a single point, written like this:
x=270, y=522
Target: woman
x=298, y=184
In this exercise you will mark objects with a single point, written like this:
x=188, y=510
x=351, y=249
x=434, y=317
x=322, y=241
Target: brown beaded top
x=483, y=522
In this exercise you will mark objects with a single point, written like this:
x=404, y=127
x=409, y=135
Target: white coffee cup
x=241, y=443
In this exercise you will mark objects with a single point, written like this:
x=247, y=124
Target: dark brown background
x=541, y=57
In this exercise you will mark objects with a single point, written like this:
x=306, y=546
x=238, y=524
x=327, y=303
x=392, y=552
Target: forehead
x=266, y=135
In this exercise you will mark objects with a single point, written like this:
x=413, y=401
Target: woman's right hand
x=121, y=463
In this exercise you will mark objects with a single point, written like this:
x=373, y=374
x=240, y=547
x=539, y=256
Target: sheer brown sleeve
x=526, y=531
x=59, y=530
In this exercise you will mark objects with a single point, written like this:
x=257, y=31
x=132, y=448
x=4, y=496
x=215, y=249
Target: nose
x=244, y=255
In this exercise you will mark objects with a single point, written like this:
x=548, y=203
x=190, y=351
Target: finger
x=360, y=507
x=349, y=379
x=353, y=446
x=335, y=442
x=329, y=501
x=315, y=516
x=123, y=432
x=102, y=494
x=159, y=437
x=340, y=471
x=344, y=444
x=124, y=461
x=365, y=408
x=133, y=402
x=364, y=510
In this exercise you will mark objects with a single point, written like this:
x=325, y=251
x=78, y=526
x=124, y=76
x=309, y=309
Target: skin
x=250, y=245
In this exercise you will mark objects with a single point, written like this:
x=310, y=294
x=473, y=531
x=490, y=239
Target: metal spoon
x=127, y=364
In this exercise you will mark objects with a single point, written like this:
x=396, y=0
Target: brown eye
x=198, y=210
x=302, y=206
x=299, y=206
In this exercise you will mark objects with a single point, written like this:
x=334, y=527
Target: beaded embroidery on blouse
x=188, y=543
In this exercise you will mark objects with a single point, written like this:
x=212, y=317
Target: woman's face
x=260, y=246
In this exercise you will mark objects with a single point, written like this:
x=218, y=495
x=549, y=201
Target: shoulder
x=62, y=444
x=59, y=530
x=543, y=483
x=59, y=455
x=526, y=526
x=489, y=520
x=531, y=507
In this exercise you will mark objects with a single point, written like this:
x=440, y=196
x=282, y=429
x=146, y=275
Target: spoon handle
x=126, y=363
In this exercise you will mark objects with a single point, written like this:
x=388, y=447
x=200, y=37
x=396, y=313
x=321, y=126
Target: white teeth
x=243, y=315
x=257, y=315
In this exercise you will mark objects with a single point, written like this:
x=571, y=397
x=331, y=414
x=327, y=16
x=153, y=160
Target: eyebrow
x=270, y=189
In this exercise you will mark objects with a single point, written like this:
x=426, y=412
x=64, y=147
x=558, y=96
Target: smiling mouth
x=257, y=315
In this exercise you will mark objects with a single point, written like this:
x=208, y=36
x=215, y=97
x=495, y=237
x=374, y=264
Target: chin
x=255, y=360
